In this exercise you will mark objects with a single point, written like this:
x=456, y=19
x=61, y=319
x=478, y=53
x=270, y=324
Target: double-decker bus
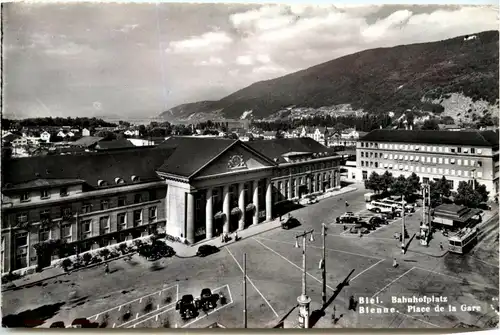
x=380, y=207
x=463, y=241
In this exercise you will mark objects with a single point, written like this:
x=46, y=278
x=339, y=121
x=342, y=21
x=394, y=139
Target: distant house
x=19, y=142
x=45, y=136
x=307, y=132
x=269, y=135
x=85, y=132
x=131, y=132
x=70, y=134
x=61, y=134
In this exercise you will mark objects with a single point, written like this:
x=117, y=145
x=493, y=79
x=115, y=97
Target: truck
x=348, y=217
x=369, y=197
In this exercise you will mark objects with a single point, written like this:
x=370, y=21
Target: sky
x=137, y=60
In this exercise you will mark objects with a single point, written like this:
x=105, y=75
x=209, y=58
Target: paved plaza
x=147, y=291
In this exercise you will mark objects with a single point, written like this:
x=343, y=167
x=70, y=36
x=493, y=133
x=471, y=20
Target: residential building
x=131, y=132
x=61, y=134
x=345, y=138
x=45, y=136
x=431, y=154
x=85, y=132
x=96, y=199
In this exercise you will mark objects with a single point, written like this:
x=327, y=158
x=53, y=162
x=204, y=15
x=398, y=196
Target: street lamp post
x=473, y=171
x=303, y=300
x=403, y=228
x=323, y=263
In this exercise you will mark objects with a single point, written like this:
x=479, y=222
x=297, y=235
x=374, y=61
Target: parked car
x=367, y=225
x=311, y=199
x=358, y=228
x=206, y=249
x=385, y=216
x=377, y=221
x=83, y=323
x=484, y=206
x=187, y=307
x=348, y=217
x=207, y=300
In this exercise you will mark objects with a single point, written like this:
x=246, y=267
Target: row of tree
x=78, y=122
x=467, y=194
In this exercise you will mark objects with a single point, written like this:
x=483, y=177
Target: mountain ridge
x=386, y=79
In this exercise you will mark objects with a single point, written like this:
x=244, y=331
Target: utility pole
x=323, y=263
x=403, y=228
x=245, y=290
x=303, y=300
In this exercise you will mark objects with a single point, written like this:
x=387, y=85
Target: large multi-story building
x=459, y=156
x=187, y=186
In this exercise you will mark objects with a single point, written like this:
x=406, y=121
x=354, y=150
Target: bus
x=380, y=207
x=463, y=241
x=408, y=208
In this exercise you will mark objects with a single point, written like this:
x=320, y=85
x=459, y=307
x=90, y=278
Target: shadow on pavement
x=318, y=314
x=32, y=317
x=409, y=242
x=280, y=323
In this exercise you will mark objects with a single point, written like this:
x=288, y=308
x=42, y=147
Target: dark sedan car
x=377, y=221
x=207, y=249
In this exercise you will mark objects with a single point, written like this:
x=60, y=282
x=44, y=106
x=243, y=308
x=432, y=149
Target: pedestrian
x=106, y=269
x=333, y=315
x=346, y=204
x=441, y=246
x=344, y=227
x=394, y=262
x=351, y=303
x=236, y=236
x=222, y=238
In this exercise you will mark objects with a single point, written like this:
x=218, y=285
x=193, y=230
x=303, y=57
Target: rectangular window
x=21, y=240
x=44, y=194
x=446, y=171
x=459, y=172
x=86, y=208
x=417, y=158
x=365, y=175
x=66, y=232
x=472, y=150
x=459, y=161
x=440, y=160
x=362, y=163
x=406, y=147
x=25, y=196
x=479, y=174
x=104, y=225
x=450, y=182
x=452, y=150
x=22, y=218
x=446, y=160
x=137, y=217
x=428, y=169
x=434, y=149
x=466, y=162
x=452, y=172
x=406, y=158
x=434, y=170
x=152, y=214
x=459, y=149
x=104, y=204
x=86, y=226
x=440, y=171
x=446, y=149
x=434, y=160
x=466, y=150
x=43, y=234
x=466, y=173
x=122, y=201
x=362, y=154
x=152, y=195
x=479, y=163
x=137, y=198
x=121, y=219
x=390, y=156
x=440, y=149
x=429, y=149
x=63, y=192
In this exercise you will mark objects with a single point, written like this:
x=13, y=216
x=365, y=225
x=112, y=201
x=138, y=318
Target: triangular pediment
x=238, y=157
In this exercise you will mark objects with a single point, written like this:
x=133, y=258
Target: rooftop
x=474, y=138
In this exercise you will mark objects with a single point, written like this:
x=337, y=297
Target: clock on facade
x=236, y=162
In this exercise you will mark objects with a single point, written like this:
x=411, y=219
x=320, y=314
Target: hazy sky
x=133, y=60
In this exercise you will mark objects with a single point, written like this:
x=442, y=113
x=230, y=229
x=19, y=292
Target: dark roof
x=476, y=138
x=276, y=148
x=87, y=141
x=192, y=153
x=43, y=183
x=114, y=144
x=90, y=167
x=455, y=212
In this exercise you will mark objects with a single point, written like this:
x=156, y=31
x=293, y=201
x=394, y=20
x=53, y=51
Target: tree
x=108, y=135
x=430, y=124
x=386, y=181
x=374, y=182
x=398, y=187
x=279, y=134
x=413, y=184
x=468, y=196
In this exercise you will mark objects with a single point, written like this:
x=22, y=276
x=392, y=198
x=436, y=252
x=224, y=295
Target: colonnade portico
x=226, y=207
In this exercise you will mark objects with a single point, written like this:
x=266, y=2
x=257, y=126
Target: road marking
x=114, y=325
x=344, y=234
x=204, y=316
x=477, y=259
x=156, y=311
x=96, y=316
x=392, y=282
x=314, y=247
x=359, y=274
x=457, y=278
x=292, y=263
x=251, y=283
x=151, y=317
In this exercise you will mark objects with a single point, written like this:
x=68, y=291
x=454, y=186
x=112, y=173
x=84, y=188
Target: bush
x=149, y=305
x=104, y=253
x=66, y=264
x=87, y=258
x=96, y=259
x=123, y=248
x=114, y=254
x=10, y=277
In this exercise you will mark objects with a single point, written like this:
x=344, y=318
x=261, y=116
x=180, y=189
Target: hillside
x=375, y=81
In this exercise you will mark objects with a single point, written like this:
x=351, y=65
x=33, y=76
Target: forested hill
x=377, y=80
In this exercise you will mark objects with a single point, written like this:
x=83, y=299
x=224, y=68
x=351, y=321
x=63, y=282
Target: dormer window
x=101, y=183
x=63, y=192
x=119, y=181
x=135, y=179
x=25, y=196
x=44, y=194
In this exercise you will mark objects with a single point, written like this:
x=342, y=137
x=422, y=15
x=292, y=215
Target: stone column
x=241, y=205
x=297, y=186
x=226, y=210
x=289, y=195
x=256, y=201
x=332, y=179
x=269, y=200
x=190, y=217
x=209, y=214
x=315, y=182
x=309, y=188
x=337, y=178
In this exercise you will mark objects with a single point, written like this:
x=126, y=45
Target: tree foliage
x=78, y=122
x=469, y=196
